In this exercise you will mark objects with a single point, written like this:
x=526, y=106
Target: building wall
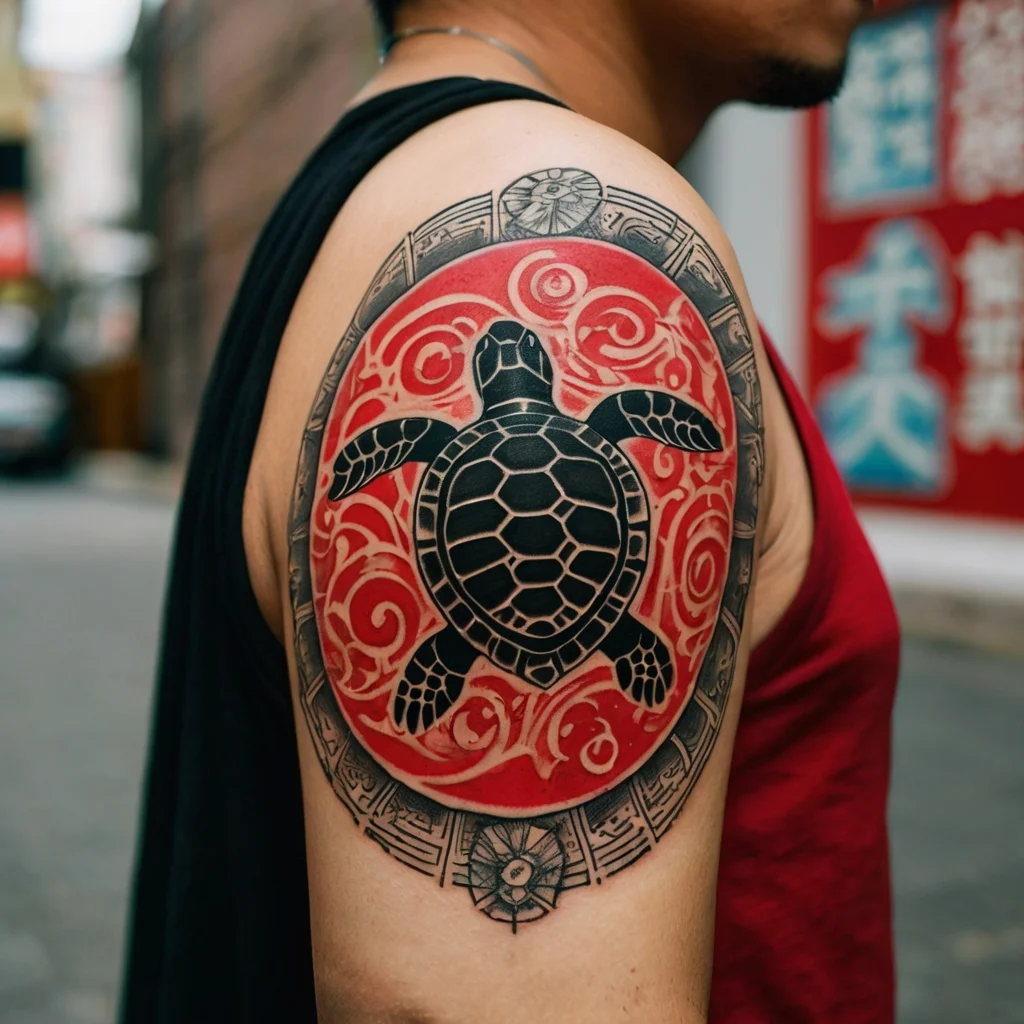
x=749, y=166
x=246, y=90
x=16, y=93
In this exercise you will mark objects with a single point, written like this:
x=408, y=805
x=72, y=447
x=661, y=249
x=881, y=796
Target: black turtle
x=531, y=528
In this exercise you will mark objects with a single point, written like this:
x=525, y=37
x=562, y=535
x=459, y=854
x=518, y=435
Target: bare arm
x=517, y=647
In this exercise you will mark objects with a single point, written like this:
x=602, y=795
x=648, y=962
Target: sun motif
x=552, y=202
x=515, y=872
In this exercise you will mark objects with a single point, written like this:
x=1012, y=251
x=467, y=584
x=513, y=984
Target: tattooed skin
x=523, y=537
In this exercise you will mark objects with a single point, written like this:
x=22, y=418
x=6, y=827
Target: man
x=551, y=554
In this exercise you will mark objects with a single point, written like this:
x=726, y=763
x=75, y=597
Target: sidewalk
x=993, y=625
x=955, y=580
x=129, y=475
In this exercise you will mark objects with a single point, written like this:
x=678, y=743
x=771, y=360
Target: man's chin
x=780, y=83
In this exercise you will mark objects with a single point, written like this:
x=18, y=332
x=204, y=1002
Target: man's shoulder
x=594, y=220
x=497, y=149
x=516, y=210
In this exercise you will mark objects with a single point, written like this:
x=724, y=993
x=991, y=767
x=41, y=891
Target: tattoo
x=523, y=537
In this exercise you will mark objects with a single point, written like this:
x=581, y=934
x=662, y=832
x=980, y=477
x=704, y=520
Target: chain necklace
x=458, y=30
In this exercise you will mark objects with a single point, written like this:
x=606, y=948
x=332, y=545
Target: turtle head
x=510, y=365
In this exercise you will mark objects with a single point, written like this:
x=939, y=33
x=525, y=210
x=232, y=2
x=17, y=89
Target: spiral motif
x=705, y=554
x=590, y=754
x=383, y=613
x=435, y=360
x=427, y=348
x=544, y=295
x=558, y=286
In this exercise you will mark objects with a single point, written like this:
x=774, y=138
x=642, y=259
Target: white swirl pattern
x=375, y=606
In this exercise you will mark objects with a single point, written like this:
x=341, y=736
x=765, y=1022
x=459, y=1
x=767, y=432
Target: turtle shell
x=532, y=535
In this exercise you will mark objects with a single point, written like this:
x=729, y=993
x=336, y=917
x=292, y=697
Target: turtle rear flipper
x=658, y=416
x=643, y=665
x=386, y=447
x=433, y=681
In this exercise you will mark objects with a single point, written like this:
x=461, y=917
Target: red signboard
x=917, y=261
x=15, y=238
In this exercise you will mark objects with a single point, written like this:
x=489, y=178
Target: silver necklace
x=458, y=30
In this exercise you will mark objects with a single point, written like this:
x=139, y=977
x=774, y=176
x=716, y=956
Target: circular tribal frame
x=522, y=538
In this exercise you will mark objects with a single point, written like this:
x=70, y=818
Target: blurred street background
x=142, y=145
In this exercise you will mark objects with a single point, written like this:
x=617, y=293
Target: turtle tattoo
x=531, y=528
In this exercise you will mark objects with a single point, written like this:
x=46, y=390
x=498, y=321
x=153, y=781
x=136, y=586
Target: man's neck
x=592, y=57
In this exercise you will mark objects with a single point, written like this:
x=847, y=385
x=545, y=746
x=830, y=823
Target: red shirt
x=804, y=930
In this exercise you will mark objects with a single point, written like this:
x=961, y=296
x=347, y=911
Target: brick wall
x=245, y=90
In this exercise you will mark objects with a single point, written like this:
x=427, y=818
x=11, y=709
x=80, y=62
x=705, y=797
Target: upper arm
x=519, y=551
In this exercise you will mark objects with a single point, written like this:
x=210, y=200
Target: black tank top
x=220, y=928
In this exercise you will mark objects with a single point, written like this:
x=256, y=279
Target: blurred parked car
x=35, y=405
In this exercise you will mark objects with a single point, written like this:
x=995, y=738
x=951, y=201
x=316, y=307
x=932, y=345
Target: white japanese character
x=988, y=99
x=909, y=44
x=992, y=411
x=864, y=87
x=994, y=342
x=911, y=143
x=860, y=168
x=912, y=86
x=993, y=271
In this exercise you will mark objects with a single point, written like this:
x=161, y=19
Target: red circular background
x=608, y=320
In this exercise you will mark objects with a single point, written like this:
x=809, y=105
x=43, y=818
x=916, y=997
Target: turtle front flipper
x=643, y=665
x=658, y=416
x=433, y=681
x=386, y=447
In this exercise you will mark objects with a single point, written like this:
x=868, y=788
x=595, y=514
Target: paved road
x=957, y=816
x=80, y=594
x=81, y=577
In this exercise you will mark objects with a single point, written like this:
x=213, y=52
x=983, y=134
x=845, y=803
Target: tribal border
x=609, y=833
